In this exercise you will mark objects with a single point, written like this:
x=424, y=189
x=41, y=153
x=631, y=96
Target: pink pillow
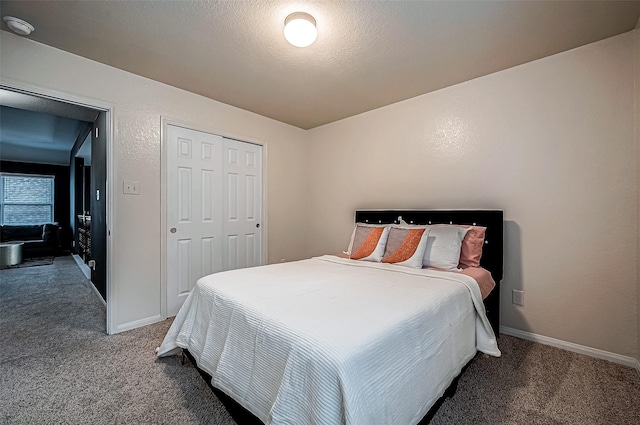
x=471, y=250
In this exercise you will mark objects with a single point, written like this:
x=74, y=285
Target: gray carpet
x=537, y=384
x=57, y=366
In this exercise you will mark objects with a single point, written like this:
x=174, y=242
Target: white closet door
x=242, y=231
x=194, y=210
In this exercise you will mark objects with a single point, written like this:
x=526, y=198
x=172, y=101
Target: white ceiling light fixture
x=300, y=29
x=18, y=25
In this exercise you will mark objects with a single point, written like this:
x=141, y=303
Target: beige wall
x=637, y=136
x=551, y=142
x=138, y=105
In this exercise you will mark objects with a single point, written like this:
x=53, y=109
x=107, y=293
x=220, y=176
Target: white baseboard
x=87, y=272
x=85, y=269
x=138, y=323
x=570, y=346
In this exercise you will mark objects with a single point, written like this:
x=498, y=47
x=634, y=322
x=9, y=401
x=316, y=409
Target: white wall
x=551, y=142
x=138, y=105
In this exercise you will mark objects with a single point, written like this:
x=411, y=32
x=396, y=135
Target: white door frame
x=34, y=90
x=165, y=121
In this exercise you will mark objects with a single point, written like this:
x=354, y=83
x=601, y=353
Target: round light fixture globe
x=300, y=29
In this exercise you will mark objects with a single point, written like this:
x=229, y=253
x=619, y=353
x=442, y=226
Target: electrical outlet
x=131, y=187
x=518, y=297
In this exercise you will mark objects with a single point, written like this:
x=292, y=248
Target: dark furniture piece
x=40, y=240
x=492, y=252
x=84, y=237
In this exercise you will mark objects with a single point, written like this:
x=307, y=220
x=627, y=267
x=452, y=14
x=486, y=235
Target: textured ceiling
x=368, y=54
x=36, y=129
x=37, y=137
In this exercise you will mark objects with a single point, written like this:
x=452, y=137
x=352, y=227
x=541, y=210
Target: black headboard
x=491, y=252
x=491, y=219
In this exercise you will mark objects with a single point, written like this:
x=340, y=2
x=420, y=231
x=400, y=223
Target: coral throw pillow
x=369, y=243
x=406, y=246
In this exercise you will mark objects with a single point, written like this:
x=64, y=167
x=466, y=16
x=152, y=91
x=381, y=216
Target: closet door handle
x=173, y=230
x=258, y=225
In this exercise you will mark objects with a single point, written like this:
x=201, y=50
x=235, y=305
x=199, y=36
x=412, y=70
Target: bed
x=333, y=340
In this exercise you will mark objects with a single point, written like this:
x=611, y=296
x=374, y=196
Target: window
x=26, y=199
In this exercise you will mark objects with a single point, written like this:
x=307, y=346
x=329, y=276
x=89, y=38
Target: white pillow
x=443, y=247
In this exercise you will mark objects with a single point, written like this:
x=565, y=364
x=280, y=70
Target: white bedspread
x=333, y=341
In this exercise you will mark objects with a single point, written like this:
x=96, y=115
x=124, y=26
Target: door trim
x=36, y=90
x=164, y=122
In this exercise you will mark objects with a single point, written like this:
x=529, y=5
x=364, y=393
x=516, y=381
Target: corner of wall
x=636, y=129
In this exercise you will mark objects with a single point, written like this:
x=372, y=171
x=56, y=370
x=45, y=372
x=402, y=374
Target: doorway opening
x=69, y=141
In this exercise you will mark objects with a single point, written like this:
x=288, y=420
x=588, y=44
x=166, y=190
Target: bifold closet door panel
x=194, y=212
x=243, y=229
x=214, y=208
